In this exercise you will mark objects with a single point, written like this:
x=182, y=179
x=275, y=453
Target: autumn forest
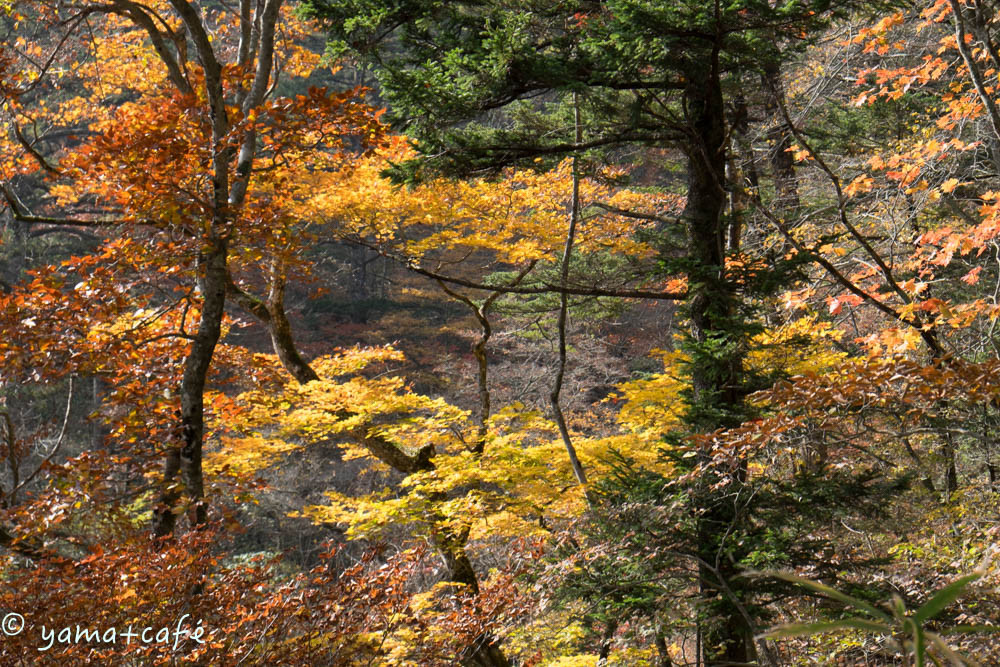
x=494, y=333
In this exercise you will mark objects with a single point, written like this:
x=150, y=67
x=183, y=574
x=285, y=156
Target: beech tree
x=181, y=158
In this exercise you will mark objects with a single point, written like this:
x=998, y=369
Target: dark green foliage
x=642, y=539
x=487, y=84
x=585, y=269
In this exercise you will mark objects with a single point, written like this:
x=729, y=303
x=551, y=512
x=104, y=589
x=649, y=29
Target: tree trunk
x=742, y=175
x=280, y=329
x=605, y=651
x=184, y=459
x=786, y=200
x=716, y=359
x=951, y=471
x=662, y=652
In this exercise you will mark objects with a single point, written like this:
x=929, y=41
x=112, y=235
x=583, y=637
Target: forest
x=499, y=333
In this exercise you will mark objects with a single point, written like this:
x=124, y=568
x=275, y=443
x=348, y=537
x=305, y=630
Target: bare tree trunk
x=951, y=470
x=662, y=652
x=741, y=174
x=281, y=330
x=229, y=187
x=479, y=349
x=184, y=460
x=606, y=640
x=574, y=461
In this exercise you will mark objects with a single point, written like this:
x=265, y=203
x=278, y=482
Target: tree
x=196, y=178
x=826, y=404
x=439, y=224
x=198, y=154
x=637, y=74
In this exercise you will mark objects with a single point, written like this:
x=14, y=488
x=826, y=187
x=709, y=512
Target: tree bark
x=951, y=470
x=605, y=650
x=184, y=459
x=716, y=364
x=662, y=652
x=742, y=176
x=281, y=331
x=554, y=396
x=228, y=194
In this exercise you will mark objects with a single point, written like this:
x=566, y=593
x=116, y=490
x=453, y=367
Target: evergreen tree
x=488, y=84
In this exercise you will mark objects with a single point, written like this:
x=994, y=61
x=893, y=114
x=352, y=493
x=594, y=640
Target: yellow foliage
x=246, y=454
x=323, y=409
x=518, y=219
x=553, y=634
x=574, y=661
x=522, y=473
x=653, y=405
x=805, y=345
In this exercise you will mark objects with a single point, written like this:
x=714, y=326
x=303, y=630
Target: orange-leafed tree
x=160, y=122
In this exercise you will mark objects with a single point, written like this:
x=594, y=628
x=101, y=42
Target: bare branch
x=544, y=288
x=21, y=213
x=633, y=214
x=55, y=448
x=38, y=157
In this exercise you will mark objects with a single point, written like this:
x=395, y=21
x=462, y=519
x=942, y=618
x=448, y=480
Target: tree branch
x=22, y=214
x=545, y=288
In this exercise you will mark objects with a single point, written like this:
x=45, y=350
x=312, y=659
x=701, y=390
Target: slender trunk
x=662, y=652
x=951, y=471
x=182, y=471
x=184, y=459
x=479, y=352
x=280, y=329
x=926, y=480
x=986, y=442
x=284, y=346
x=742, y=176
x=786, y=200
x=574, y=217
x=9, y=437
x=605, y=650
